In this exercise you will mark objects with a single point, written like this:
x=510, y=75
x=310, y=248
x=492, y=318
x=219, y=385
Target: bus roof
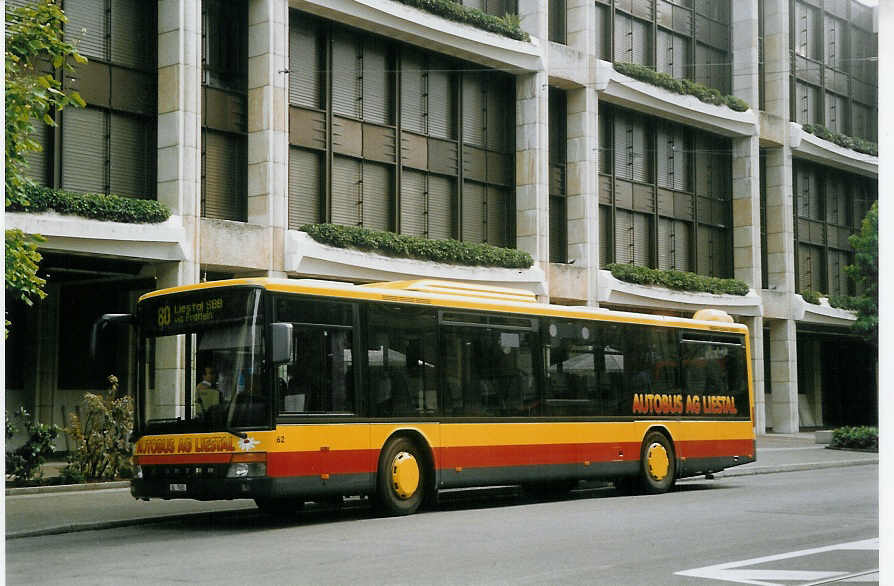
x=458, y=295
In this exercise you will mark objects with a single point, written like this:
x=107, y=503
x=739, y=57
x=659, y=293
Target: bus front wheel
x=657, y=464
x=400, y=486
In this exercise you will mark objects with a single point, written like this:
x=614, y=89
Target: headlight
x=250, y=465
x=247, y=470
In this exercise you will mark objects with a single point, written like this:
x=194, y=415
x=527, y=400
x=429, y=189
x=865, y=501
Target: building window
x=830, y=207
x=224, y=109
x=558, y=209
x=834, y=69
x=109, y=146
x=405, y=140
x=664, y=194
x=493, y=7
x=557, y=24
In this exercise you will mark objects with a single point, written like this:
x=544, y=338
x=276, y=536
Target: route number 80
x=164, y=316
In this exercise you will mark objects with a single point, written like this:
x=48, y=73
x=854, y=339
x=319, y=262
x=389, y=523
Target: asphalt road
x=797, y=527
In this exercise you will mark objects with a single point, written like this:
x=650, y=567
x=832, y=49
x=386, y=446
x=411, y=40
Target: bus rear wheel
x=400, y=486
x=657, y=464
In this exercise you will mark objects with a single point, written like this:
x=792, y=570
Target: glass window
x=402, y=361
x=488, y=371
x=573, y=373
x=715, y=378
x=320, y=376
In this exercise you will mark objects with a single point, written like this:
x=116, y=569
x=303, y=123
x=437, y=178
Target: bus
x=288, y=391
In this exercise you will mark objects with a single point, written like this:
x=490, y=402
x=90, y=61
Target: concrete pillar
x=532, y=167
x=784, y=376
x=582, y=203
x=46, y=379
x=746, y=211
x=756, y=339
x=268, y=138
x=745, y=51
x=777, y=61
x=532, y=145
x=179, y=122
x=579, y=33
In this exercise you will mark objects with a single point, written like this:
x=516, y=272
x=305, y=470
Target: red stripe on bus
x=714, y=448
x=280, y=464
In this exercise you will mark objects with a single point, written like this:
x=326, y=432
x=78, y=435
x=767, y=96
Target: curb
x=67, y=488
x=730, y=473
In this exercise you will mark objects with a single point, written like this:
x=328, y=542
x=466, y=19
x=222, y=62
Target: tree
x=36, y=58
x=864, y=272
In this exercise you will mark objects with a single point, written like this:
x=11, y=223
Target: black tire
x=401, y=479
x=279, y=506
x=658, y=464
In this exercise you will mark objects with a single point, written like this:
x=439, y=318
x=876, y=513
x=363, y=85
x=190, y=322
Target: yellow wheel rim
x=658, y=461
x=404, y=475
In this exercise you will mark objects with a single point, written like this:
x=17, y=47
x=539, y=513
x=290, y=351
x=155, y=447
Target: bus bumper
x=202, y=489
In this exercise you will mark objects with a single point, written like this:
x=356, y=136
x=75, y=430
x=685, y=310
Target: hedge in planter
x=681, y=86
x=508, y=26
x=398, y=245
x=97, y=206
x=679, y=280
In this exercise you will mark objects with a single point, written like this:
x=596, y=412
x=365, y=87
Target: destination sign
x=178, y=313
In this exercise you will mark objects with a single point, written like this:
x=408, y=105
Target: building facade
x=252, y=118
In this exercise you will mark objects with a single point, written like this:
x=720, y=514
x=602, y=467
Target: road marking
x=736, y=572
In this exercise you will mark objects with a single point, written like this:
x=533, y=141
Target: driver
x=207, y=394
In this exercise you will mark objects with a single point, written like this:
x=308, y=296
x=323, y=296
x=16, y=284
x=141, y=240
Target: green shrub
x=849, y=142
x=680, y=280
x=24, y=462
x=508, y=26
x=811, y=296
x=398, y=245
x=681, y=86
x=862, y=438
x=101, y=436
x=98, y=206
x=844, y=302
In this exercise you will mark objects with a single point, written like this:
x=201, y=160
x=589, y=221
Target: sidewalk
x=62, y=509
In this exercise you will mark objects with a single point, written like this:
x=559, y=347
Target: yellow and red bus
x=290, y=390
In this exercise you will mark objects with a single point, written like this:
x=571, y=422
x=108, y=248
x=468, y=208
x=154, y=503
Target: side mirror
x=280, y=343
x=100, y=324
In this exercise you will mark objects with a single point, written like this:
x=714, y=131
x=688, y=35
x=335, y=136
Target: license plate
x=177, y=487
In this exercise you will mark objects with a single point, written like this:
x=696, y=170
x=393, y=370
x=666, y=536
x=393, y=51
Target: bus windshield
x=220, y=384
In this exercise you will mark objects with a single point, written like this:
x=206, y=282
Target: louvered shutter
x=89, y=15
x=642, y=159
x=345, y=191
x=808, y=268
x=836, y=112
x=412, y=91
x=624, y=240
x=441, y=196
x=498, y=97
x=473, y=212
x=441, y=101
x=682, y=242
x=642, y=235
x=38, y=161
x=345, y=75
x=605, y=236
x=305, y=81
x=377, y=188
x=623, y=38
x=130, y=162
x=624, y=154
x=665, y=43
x=412, y=203
x=641, y=45
x=665, y=146
x=305, y=188
x=377, y=92
x=837, y=278
x=706, y=251
x=496, y=216
x=131, y=44
x=665, y=243
x=834, y=188
x=223, y=182
x=84, y=154
x=473, y=110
